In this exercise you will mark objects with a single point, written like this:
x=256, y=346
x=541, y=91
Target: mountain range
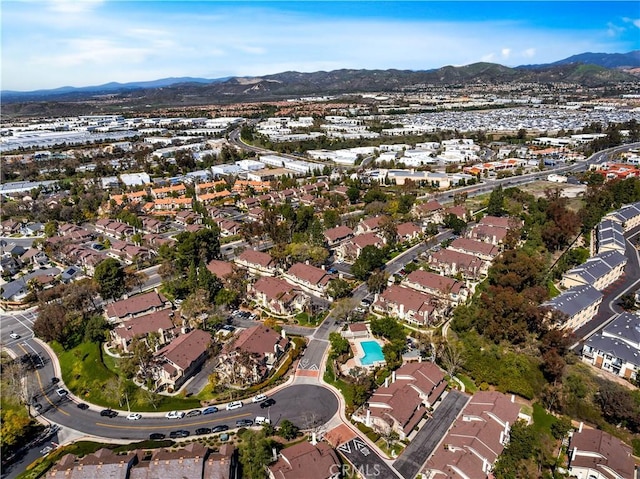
x=586, y=69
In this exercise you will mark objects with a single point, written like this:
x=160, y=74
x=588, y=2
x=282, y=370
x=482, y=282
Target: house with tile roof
x=437, y=285
x=257, y=262
x=401, y=403
x=278, y=296
x=102, y=464
x=180, y=359
x=252, y=355
x=578, y=305
x=309, y=278
x=337, y=235
x=450, y=263
x=484, y=251
x=306, y=461
x=161, y=322
x=348, y=251
x=595, y=454
x=137, y=305
x=617, y=347
x=369, y=225
x=408, y=231
x=222, y=269
x=408, y=305
x=476, y=439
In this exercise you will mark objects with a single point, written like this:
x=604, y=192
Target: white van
x=260, y=420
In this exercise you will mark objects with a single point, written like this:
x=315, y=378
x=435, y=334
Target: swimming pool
x=372, y=352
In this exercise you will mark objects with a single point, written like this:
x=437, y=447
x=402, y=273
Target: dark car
x=179, y=433
x=220, y=428
x=195, y=412
x=156, y=436
x=203, y=430
x=210, y=410
x=244, y=423
x=55, y=380
x=83, y=406
x=268, y=403
x=108, y=413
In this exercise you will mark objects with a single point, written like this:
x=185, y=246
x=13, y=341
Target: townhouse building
x=476, y=439
x=401, y=403
x=408, y=305
x=450, y=263
x=180, y=359
x=578, y=304
x=599, y=271
x=278, y=296
x=484, y=251
x=437, y=285
x=306, y=460
x=338, y=234
x=257, y=262
x=617, y=347
x=309, y=278
x=595, y=454
x=628, y=216
x=610, y=236
x=349, y=250
x=137, y=305
x=160, y=322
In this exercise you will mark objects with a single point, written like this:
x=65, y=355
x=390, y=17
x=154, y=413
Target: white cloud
x=73, y=6
x=506, y=52
x=529, y=53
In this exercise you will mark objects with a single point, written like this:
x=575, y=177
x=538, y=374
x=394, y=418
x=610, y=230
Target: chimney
x=368, y=420
x=386, y=382
x=501, y=437
x=274, y=454
x=284, y=333
x=313, y=439
x=513, y=398
x=580, y=426
x=393, y=377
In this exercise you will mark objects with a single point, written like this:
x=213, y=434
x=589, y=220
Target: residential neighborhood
x=415, y=308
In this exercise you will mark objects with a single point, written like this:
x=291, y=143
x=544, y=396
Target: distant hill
x=186, y=91
x=606, y=60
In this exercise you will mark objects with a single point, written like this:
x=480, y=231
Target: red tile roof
x=186, y=349
x=136, y=304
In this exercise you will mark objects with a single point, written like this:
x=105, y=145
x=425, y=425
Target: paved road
x=366, y=461
x=627, y=284
x=424, y=443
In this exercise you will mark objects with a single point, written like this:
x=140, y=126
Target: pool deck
x=358, y=354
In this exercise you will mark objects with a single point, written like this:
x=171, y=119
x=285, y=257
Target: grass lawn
x=542, y=420
x=345, y=389
x=84, y=372
x=469, y=385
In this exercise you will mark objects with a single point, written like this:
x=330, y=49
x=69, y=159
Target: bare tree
x=451, y=355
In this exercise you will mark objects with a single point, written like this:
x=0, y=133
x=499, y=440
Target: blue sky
x=54, y=43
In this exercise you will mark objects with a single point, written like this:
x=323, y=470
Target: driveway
x=424, y=443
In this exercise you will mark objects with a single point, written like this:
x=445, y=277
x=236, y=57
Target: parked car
x=259, y=398
x=332, y=271
x=55, y=380
x=210, y=410
x=203, y=430
x=260, y=420
x=14, y=335
x=61, y=392
x=37, y=406
x=156, y=436
x=234, y=405
x=179, y=433
x=194, y=413
x=174, y=415
x=244, y=423
x=268, y=403
x=108, y=413
x=134, y=416
x=83, y=406
x=220, y=428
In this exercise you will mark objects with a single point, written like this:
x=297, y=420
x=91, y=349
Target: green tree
x=370, y=258
x=109, y=277
x=495, y=207
x=377, y=281
x=288, y=430
x=338, y=288
x=339, y=345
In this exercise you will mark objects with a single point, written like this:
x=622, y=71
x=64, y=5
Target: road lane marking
x=167, y=425
x=44, y=394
